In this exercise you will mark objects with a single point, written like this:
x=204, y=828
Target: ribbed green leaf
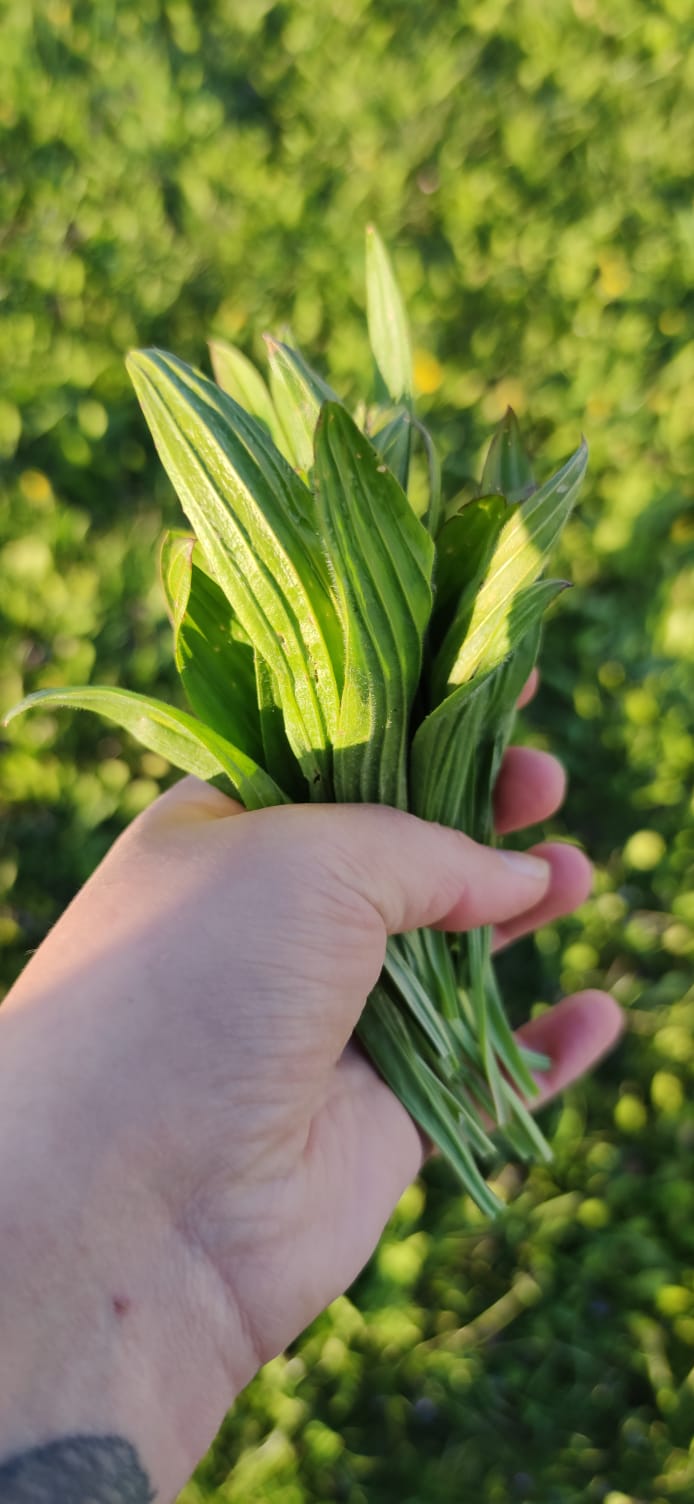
x=217, y=670
x=527, y=607
x=173, y=734
x=277, y=756
x=244, y=431
x=463, y=550
x=500, y=711
x=241, y=499
x=519, y=555
x=393, y=442
x=511, y=676
x=388, y=328
x=384, y=1033
x=442, y=754
x=434, y=512
x=238, y=377
x=507, y=467
x=447, y=745
x=420, y=1004
x=297, y=393
x=382, y=559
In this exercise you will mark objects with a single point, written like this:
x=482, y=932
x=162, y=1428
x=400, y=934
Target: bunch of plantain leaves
x=334, y=645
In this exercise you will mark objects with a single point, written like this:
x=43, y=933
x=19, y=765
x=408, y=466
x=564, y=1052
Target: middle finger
x=530, y=787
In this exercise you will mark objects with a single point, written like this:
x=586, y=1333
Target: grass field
x=179, y=170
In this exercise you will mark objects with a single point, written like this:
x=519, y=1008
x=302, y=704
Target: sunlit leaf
x=173, y=734
x=447, y=745
x=463, y=550
x=518, y=557
x=382, y=559
x=257, y=540
x=238, y=377
x=297, y=393
x=388, y=328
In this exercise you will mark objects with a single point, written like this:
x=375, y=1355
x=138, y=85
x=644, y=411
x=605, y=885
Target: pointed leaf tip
x=387, y=321
x=507, y=470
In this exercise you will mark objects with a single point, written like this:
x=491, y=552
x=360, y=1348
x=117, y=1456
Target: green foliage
x=171, y=734
x=389, y=332
x=381, y=560
x=174, y=170
x=251, y=657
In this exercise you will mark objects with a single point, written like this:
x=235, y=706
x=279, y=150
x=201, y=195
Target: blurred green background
x=178, y=170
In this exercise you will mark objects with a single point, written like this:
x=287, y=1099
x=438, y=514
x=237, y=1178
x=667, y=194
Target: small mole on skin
x=121, y=1305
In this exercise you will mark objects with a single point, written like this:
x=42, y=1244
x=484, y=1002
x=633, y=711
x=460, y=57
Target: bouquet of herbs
x=337, y=641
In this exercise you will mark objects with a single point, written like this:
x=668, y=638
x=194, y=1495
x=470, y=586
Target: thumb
x=345, y=876
x=413, y=873
x=315, y=890
x=410, y=873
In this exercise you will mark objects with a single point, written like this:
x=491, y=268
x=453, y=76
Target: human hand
x=186, y=1029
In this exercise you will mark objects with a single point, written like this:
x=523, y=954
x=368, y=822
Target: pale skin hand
x=195, y=1159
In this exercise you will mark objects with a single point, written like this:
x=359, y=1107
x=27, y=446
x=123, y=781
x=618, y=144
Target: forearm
x=107, y=1330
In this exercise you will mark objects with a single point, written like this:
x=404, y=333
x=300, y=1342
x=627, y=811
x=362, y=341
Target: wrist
x=108, y=1322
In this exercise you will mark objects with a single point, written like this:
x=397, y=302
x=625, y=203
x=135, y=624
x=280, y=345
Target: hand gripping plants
x=335, y=644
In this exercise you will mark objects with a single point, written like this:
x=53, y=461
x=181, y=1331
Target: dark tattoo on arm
x=76, y=1470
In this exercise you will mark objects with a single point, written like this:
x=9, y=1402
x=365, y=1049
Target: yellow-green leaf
x=381, y=559
x=518, y=557
x=173, y=734
x=250, y=513
x=389, y=333
x=238, y=377
x=297, y=394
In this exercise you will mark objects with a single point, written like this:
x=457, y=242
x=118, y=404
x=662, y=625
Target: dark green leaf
x=393, y=443
x=447, y=745
x=216, y=669
x=463, y=550
x=278, y=757
x=381, y=558
x=507, y=467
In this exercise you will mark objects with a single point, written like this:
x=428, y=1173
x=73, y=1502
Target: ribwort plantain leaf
x=216, y=669
x=297, y=394
x=336, y=647
x=257, y=539
x=381, y=559
x=173, y=734
x=238, y=377
x=507, y=467
x=520, y=553
x=389, y=333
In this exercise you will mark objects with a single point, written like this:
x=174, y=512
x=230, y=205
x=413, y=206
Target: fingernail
x=527, y=865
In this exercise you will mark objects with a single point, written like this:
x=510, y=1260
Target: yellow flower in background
x=428, y=374
x=614, y=276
